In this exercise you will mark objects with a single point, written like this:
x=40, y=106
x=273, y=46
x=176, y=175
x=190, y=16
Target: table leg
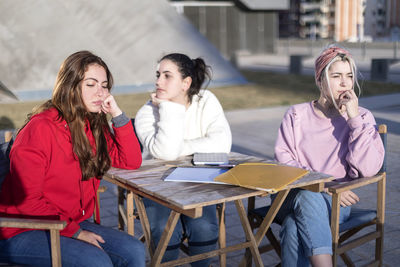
x=335, y=227
x=165, y=237
x=157, y=254
x=266, y=223
x=222, y=233
x=122, y=220
x=248, y=232
x=144, y=221
x=130, y=213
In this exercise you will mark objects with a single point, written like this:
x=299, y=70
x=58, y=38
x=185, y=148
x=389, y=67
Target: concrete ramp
x=130, y=35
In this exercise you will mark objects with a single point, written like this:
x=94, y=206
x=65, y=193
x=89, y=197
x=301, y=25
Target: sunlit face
x=94, y=88
x=340, y=78
x=169, y=84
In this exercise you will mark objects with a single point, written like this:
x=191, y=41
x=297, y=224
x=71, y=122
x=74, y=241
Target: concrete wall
x=361, y=50
x=130, y=35
x=231, y=29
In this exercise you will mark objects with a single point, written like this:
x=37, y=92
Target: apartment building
x=341, y=20
x=316, y=19
x=393, y=19
x=375, y=18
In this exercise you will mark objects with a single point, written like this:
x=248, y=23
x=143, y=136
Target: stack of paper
x=210, y=158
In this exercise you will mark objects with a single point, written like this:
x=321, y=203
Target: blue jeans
x=305, y=221
x=202, y=233
x=33, y=248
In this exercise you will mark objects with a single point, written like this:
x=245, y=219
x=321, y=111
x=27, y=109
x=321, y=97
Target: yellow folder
x=261, y=176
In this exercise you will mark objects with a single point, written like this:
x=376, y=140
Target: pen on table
x=216, y=165
x=224, y=165
x=204, y=166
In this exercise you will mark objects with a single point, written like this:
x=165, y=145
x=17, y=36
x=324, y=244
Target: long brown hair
x=67, y=99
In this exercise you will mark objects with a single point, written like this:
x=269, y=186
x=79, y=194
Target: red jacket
x=45, y=178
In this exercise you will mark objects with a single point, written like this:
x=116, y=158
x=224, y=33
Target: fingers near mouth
x=344, y=95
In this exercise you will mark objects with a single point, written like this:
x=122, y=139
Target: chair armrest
x=32, y=223
x=356, y=183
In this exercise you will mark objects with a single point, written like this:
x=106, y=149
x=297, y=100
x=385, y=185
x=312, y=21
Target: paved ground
x=254, y=132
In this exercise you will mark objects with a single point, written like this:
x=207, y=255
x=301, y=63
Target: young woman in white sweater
x=179, y=120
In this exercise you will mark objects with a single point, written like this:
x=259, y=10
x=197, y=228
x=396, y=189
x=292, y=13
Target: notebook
x=196, y=174
x=210, y=158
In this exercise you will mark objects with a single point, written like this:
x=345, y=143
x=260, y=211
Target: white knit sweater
x=169, y=131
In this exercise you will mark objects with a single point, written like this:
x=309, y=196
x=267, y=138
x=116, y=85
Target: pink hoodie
x=337, y=146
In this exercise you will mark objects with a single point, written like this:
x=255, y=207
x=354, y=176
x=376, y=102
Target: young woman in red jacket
x=56, y=164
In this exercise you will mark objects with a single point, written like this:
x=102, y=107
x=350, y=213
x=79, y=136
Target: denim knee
x=33, y=248
x=130, y=253
x=92, y=258
x=123, y=249
x=158, y=216
x=311, y=214
x=202, y=231
x=311, y=200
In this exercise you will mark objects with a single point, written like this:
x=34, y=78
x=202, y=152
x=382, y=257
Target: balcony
x=304, y=19
x=306, y=7
x=316, y=19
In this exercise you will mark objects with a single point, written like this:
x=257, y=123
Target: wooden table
x=190, y=198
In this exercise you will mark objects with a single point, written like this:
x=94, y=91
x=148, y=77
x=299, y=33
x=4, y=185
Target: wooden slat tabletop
x=149, y=179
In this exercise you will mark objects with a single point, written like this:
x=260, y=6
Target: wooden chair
x=101, y=189
x=343, y=235
x=127, y=197
x=54, y=226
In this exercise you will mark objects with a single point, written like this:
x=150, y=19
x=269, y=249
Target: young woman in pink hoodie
x=333, y=135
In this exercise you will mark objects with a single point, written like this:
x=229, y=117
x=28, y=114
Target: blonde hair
x=344, y=57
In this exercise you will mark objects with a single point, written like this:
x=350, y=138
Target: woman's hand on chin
x=110, y=106
x=155, y=100
x=348, y=102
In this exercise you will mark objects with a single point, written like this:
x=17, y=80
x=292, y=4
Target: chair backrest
x=383, y=133
x=6, y=142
